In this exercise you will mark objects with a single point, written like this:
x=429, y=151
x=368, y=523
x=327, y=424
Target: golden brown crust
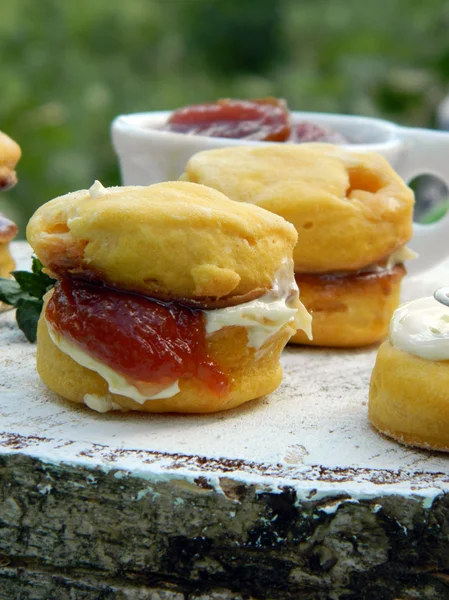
x=351, y=310
x=9, y=156
x=349, y=209
x=251, y=377
x=409, y=399
x=173, y=240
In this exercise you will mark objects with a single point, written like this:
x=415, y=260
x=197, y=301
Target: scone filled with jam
x=170, y=298
x=353, y=215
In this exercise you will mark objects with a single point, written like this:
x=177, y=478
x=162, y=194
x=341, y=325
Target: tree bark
x=79, y=533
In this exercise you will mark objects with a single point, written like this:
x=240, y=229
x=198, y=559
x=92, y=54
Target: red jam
x=142, y=339
x=267, y=120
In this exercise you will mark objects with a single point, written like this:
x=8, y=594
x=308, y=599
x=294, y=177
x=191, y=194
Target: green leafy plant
x=25, y=292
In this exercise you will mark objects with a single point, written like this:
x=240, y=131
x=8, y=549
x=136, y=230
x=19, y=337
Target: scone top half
x=172, y=241
x=169, y=297
x=350, y=209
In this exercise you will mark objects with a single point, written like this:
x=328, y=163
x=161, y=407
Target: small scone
x=8, y=231
x=409, y=390
x=353, y=215
x=9, y=156
x=169, y=298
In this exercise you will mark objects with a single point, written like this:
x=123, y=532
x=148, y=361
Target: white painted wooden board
x=312, y=433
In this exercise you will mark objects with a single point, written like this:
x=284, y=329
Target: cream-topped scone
x=168, y=299
x=409, y=397
x=353, y=215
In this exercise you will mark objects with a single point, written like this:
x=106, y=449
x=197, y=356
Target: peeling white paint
x=332, y=508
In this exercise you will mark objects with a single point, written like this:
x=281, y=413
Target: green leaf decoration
x=25, y=294
x=37, y=268
x=30, y=283
x=27, y=316
x=10, y=291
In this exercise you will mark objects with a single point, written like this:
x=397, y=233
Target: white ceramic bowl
x=149, y=155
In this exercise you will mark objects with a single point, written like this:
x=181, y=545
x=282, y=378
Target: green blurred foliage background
x=68, y=67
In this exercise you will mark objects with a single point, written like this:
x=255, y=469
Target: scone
x=409, y=390
x=353, y=215
x=169, y=298
x=8, y=231
x=9, y=156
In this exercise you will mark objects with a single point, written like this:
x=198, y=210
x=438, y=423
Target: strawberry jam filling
x=140, y=338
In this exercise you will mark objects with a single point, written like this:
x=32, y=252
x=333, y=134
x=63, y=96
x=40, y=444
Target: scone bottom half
x=353, y=215
x=112, y=334
x=408, y=397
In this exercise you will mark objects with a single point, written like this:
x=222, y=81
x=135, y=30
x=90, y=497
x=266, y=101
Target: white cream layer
x=266, y=315
x=400, y=256
x=421, y=327
x=397, y=258
x=262, y=319
x=101, y=404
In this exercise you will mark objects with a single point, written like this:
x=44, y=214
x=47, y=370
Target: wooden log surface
x=292, y=496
